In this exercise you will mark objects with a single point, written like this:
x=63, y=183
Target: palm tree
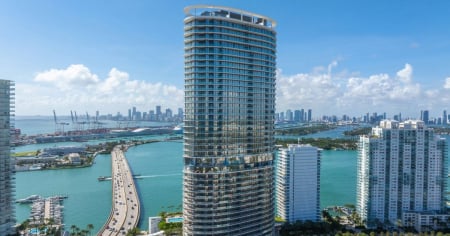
x=90, y=227
x=73, y=227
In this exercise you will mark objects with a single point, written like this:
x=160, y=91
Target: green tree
x=73, y=227
x=90, y=227
x=134, y=231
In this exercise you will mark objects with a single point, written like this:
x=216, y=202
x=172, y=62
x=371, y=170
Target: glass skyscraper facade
x=229, y=122
x=7, y=210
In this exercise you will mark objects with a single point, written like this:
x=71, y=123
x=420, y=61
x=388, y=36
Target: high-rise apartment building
x=7, y=212
x=298, y=183
x=229, y=122
x=401, y=170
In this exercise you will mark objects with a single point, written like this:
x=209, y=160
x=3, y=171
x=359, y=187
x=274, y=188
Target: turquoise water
x=338, y=178
x=175, y=220
x=89, y=202
x=159, y=185
x=338, y=132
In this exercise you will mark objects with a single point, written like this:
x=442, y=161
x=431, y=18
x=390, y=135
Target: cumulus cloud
x=77, y=88
x=405, y=74
x=355, y=95
x=447, y=83
x=73, y=76
x=306, y=90
x=381, y=92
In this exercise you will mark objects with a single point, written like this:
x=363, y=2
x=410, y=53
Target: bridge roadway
x=125, y=209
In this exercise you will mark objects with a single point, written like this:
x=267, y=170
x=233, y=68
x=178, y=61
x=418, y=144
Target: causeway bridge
x=125, y=209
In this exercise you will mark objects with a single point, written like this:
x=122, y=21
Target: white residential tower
x=401, y=169
x=298, y=183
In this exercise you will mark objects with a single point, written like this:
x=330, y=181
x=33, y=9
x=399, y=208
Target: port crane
x=59, y=126
x=78, y=125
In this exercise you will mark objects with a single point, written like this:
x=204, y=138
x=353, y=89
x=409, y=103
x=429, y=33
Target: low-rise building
x=425, y=221
x=75, y=159
x=62, y=151
x=153, y=228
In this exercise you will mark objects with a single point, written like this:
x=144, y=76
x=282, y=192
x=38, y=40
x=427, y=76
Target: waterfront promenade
x=125, y=209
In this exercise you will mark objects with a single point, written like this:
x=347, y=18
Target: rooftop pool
x=174, y=220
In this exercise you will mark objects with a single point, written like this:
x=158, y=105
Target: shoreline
x=99, y=149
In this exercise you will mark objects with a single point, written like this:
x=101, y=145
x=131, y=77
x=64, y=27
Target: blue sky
x=335, y=57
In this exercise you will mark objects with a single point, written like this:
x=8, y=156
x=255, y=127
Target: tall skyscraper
x=7, y=212
x=444, y=117
x=229, y=122
x=298, y=183
x=180, y=113
x=289, y=115
x=425, y=116
x=297, y=116
x=401, y=169
x=158, y=113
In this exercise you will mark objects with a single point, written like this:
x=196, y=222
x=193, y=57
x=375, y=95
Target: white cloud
x=355, y=95
x=306, y=90
x=77, y=88
x=405, y=74
x=75, y=76
x=447, y=83
x=340, y=92
x=381, y=92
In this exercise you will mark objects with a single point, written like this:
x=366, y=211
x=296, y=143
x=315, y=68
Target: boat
x=178, y=129
x=103, y=178
x=35, y=167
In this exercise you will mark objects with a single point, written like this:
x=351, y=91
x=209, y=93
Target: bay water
x=160, y=186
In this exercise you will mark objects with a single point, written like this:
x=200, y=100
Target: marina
x=46, y=213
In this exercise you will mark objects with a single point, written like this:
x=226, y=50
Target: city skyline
x=80, y=55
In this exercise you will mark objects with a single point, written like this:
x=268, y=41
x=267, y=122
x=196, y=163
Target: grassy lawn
x=25, y=154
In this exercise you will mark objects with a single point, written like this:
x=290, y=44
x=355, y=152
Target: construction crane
x=59, y=126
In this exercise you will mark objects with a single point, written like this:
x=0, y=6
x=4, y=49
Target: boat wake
x=154, y=176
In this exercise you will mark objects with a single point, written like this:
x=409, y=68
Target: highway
x=125, y=209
